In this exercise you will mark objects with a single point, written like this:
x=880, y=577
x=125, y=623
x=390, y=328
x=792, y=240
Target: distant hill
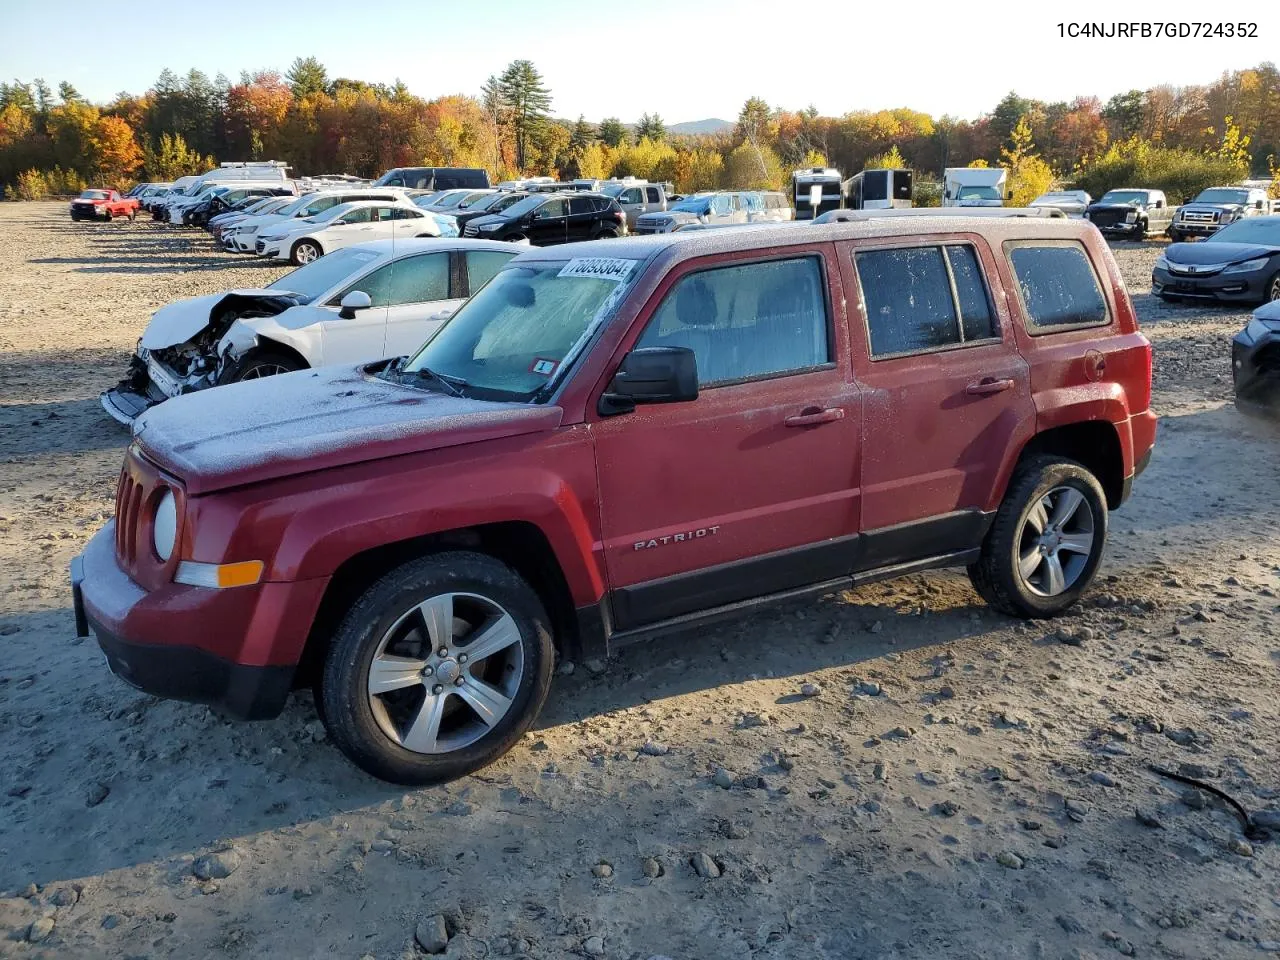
x=713, y=125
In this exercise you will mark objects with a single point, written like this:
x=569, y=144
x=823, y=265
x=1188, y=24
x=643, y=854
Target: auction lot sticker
x=599, y=268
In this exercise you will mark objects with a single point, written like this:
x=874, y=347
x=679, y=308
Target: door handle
x=812, y=416
x=982, y=388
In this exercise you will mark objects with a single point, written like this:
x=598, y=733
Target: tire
x=304, y=252
x=260, y=363
x=1175, y=236
x=1272, y=290
x=514, y=238
x=476, y=593
x=606, y=235
x=133, y=215
x=75, y=217
x=1141, y=233
x=1051, y=482
x=106, y=215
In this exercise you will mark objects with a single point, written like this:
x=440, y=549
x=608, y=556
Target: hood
x=92, y=200
x=311, y=420
x=489, y=220
x=178, y=322
x=671, y=216
x=1209, y=251
x=1136, y=205
x=1268, y=311
x=1213, y=207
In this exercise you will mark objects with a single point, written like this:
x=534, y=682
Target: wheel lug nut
x=437, y=689
x=427, y=671
x=459, y=681
x=443, y=651
x=462, y=658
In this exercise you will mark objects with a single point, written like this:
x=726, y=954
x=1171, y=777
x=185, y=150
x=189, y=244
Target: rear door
x=582, y=218
x=946, y=392
x=752, y=488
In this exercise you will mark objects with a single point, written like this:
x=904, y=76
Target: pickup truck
x=1131, y=213
x=637, y=198
x=1216, y=207
x=107, y=204
x=621, y=438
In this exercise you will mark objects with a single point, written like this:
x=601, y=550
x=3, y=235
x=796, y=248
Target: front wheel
x=1141, y=233
x=1272, y=292
x=106, y=215
x=1045, y=544
x=257, y=364
x=438, y=669
x=304, y=252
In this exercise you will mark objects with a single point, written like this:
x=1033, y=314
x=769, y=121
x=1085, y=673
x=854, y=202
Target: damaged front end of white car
x=190, y=346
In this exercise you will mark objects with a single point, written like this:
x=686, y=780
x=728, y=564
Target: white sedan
x=303, y=241
x=357, y=305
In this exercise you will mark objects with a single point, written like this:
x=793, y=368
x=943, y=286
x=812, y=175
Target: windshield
x=475, y=201
x=1222, y=195
x=1250, y=230
x=526, y=205
x=1130, y=197
x=613, y=189
x=298, y=204
x=387, y=177
x=504, y=200
x=450, y=200
x=692, y=205
x=1057, y=198
x=978, y=193
x=94, y=195
x=323, y=274
x=509, y=340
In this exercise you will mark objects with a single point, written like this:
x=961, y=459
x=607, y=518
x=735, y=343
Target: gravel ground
x=957, y=784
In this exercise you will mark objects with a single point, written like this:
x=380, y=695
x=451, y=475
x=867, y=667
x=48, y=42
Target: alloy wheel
x=445, y=673
x=306, y=253
x=1056, y=541
x=259, y=370
x=1273, y=292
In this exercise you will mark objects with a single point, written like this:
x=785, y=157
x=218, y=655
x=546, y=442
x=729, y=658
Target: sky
x=684, y=59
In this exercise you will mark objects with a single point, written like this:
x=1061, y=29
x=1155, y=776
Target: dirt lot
x=980, y=804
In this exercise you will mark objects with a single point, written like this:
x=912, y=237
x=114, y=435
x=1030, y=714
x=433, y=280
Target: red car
x=616, y=439
x=107, y=204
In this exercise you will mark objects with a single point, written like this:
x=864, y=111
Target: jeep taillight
x=1146, y=385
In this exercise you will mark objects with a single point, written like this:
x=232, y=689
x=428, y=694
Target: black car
x=545, y=219
x=1255, y=362
x=1240, y=262
x=214, y=204
x=494, y=203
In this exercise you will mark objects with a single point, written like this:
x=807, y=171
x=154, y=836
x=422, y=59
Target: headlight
x=164, y=527
x=1162, y=262
x=1248, y=266
x=1131, y=216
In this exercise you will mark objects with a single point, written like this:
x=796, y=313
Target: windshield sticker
x=543, y=366
x=600, y=268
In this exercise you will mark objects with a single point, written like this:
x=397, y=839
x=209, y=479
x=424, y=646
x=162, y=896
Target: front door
x=752, y=488
x=946, y=393
x=549, y=223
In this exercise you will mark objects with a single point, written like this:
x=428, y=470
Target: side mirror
x=651, y=375
x=1159, y=204
x=338, y=223
x=353, y=301
x=1009, y=195
x=1258, y=205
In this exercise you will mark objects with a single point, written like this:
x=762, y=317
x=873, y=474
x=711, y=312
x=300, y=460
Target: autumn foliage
x=1174, y=138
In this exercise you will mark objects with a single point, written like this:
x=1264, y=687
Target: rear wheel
x=257, y=364
x=1045, y=544
x=606, y=235
x=133, y=215
x=515, y=238
x=438, y=669
x=304, y=252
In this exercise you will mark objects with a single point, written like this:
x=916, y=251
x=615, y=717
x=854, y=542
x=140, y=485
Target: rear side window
x=1058, y=287
x=745, y=322
x=652, y=194
x=923, y=298
x=581, y=205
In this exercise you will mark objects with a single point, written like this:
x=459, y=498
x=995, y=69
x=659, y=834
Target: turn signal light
x=218, y=576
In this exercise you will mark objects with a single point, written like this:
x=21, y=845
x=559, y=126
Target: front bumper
x=1255, y=374
x=234, y=649
x=1119, y=229
x=269, y=248
x=1195, y=228
x=1223, y=287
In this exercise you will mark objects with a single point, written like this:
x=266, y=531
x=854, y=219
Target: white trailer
x=975, y=187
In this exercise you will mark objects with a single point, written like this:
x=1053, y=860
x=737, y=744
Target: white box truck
x=975, y=187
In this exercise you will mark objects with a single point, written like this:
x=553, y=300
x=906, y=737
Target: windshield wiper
x=447, y=384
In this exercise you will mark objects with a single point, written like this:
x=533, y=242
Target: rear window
x=924, y=298
x=1058, y=286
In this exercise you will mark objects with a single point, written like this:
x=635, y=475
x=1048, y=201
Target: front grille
x=1199, y=216
x=128, y=510
x=136, y=494
x=1108, y=218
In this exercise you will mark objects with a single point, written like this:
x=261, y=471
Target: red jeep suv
x=619, y=438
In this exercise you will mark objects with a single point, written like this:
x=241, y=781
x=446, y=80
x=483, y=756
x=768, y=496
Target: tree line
x=1176, y=138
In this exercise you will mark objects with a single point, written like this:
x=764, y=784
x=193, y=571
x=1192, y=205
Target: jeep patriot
x=621, y=438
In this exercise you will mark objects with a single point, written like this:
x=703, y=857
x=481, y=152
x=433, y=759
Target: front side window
x=1058, y=287
x=923, y=298
x=358, y=215
x=633, y=195
x=748, y=321
x=551, y=209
